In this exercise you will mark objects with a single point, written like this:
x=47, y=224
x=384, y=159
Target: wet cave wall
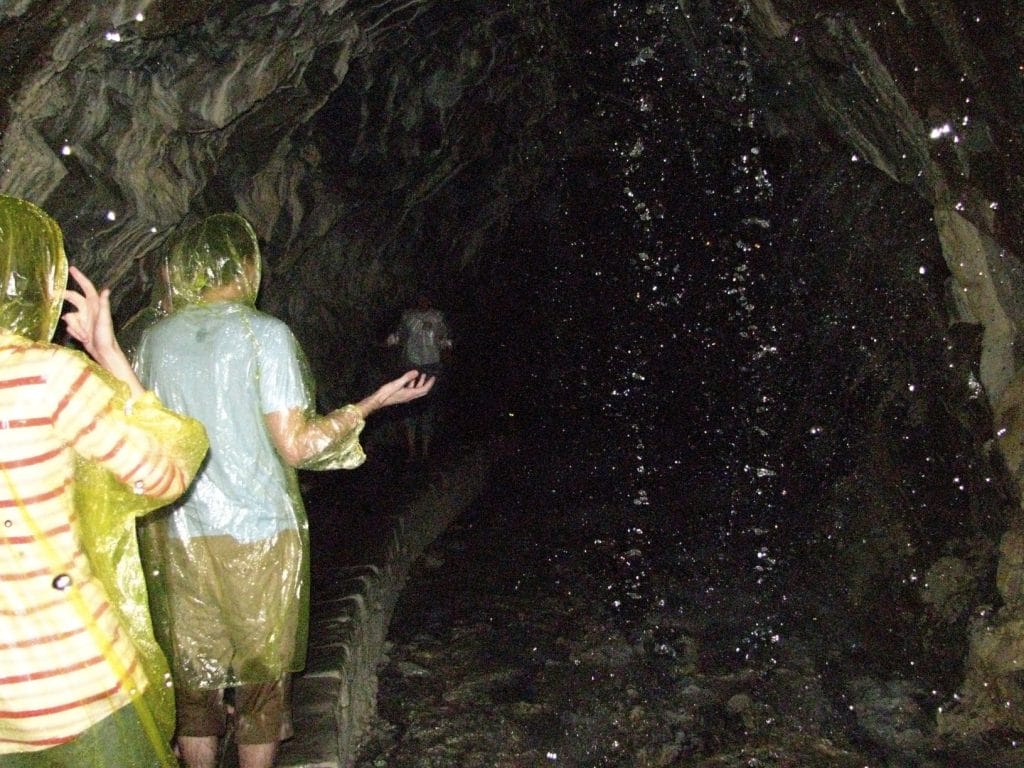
x=376, y=147
x=856, y=278
x=927, y=319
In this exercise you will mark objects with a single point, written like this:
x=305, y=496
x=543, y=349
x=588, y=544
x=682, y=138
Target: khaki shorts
x=234, y=609
x=261, y=712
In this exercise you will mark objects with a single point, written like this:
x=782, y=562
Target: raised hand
x=406, y=387
x=90, y=323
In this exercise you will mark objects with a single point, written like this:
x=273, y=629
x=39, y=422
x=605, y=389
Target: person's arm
x=444, y=334
x=401, y=332
x=148, y=449
x=299, y=438
x=91, y=324
x=409, y=386
x=444, y=342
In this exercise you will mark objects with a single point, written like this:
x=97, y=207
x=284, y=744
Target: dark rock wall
x=888, y=403
x=376, y=147
x=929, y=93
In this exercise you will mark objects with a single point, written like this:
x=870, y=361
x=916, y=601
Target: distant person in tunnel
x=425, y=344
x=229, y=564
x=84, y=449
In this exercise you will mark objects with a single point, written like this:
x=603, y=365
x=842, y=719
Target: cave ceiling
x=377, y=146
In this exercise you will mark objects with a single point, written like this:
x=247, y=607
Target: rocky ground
x=508, y=651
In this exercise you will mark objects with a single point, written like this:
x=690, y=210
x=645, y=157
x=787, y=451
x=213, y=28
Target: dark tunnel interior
x=736, y=303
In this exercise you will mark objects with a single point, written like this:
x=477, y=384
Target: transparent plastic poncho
x=33, y=269
x=220, y=252
x=159, y=306
x=228, y=566
x=108, y=512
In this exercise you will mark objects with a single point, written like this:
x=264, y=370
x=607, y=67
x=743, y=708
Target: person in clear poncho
x=230, y=562
x=83, y=451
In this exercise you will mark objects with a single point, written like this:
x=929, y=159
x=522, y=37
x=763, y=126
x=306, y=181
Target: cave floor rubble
x=452, y=627
x=506, y=651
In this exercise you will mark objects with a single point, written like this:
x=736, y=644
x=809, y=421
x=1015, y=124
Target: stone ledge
x=336, y=696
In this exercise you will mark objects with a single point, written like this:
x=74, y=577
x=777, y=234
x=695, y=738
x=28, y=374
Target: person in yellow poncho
x=83, y=450
x=230, y=563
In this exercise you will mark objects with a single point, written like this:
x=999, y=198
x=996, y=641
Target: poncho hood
x=33, y=270
x=220, y=251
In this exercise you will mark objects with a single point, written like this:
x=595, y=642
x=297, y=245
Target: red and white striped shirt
x=65, y=663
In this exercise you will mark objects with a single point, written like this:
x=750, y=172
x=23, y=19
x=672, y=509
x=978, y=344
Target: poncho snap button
x=62, y=582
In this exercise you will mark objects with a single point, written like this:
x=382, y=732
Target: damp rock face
x=382, y=147
x=373, y=146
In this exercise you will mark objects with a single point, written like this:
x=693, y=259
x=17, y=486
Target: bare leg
x=198, y=751
x=257, y=755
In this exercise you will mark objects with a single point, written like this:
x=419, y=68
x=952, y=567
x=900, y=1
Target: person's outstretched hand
x=406, y=387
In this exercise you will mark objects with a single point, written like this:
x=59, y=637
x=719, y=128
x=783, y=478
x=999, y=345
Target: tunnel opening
x=723, y=348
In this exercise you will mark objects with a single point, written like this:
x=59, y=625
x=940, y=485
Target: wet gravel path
x=506, y=651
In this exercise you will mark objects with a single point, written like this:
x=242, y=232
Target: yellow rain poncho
x=33, y=268
x=79, y=460
x=230, y=563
